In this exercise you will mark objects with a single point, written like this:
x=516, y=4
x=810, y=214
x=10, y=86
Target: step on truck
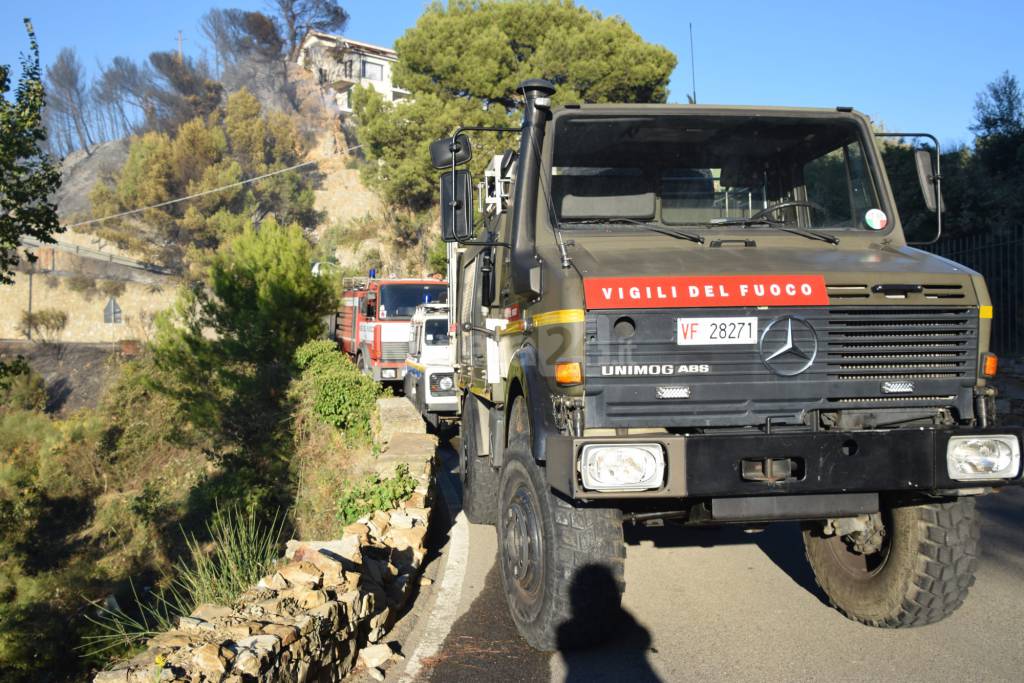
x=711, y=315
x=372, y=324
x=429, y=375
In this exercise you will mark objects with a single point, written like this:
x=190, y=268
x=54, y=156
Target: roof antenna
x=693, y=71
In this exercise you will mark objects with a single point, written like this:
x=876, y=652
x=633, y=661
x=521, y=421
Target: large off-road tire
x=920, y=575
x=479, y=479
x=562, y=565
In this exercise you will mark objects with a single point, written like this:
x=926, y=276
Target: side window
x=841, y=182
x=373, y=71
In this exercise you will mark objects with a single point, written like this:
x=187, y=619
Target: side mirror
x=456, y=206
x=926, y=177
x=448, y=151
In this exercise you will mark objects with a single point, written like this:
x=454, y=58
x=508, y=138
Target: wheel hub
x=521, y=544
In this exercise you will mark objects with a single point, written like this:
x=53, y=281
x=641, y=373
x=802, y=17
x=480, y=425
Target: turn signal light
x=989, y=365
x=568, y=373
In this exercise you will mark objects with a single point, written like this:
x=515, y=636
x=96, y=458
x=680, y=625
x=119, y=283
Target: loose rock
x=373, y=656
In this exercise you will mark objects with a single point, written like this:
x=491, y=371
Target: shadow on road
x=627, y=645
x=780, y=542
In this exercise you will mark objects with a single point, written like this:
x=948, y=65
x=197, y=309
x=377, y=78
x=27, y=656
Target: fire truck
x=372, y=324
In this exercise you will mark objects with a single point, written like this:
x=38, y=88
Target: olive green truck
x=711, y=315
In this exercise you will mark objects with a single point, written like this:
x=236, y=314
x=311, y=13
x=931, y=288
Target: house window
x=112, y=312
x=373, y=71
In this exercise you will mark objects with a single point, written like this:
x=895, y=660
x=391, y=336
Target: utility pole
x=181, y=53
x=693, y=70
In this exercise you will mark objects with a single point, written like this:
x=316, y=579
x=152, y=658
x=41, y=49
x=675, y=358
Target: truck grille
x=394, y=352
x=868, y=356
x=898, y=343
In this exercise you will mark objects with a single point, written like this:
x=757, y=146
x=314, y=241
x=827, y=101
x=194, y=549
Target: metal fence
x=1001, y=261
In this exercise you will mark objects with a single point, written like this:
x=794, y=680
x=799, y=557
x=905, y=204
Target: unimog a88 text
x=711, y=315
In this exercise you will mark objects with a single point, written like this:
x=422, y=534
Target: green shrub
x=333, y=389
x=45, y=325
x=374, y=493
x=306, y=354
x=83, y=284
x=112, y=287
x=24, y=390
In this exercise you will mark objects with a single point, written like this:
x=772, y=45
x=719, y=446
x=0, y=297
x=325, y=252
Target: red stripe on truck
x=705, y=291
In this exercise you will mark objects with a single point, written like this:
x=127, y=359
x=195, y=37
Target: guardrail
x=97, y=255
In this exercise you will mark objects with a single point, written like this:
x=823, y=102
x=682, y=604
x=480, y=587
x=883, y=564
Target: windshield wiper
x=679, y=234
x=777, y=225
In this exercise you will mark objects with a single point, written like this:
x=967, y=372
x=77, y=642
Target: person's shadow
x=601, y=640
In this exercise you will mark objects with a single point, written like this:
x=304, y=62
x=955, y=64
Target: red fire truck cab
x=373, y=321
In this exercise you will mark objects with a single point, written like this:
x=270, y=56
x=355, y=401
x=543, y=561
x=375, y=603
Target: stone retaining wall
x=323, y=610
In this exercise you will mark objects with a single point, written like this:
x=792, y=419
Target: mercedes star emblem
x=791, y=349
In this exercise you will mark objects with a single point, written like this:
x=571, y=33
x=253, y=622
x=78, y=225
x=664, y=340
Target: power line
x=198, y=194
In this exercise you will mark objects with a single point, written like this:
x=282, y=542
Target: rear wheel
x=908, y=566
x=562, y=566
x=479, y=479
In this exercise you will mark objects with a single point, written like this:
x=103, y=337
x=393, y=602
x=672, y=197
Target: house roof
x=354, y=45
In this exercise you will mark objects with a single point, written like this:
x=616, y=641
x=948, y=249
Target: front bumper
x=389, y=372
x=713, y=466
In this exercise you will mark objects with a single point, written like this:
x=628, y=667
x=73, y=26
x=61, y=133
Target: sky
x=911, y=66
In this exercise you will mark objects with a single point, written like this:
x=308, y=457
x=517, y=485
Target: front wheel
x=562, y=566
x=479, y=479
x=906, y=566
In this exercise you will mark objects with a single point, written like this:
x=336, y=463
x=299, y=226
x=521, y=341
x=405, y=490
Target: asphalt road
x=720, y=604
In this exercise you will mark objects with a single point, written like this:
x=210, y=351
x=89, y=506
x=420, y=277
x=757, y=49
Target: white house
x=340, y=63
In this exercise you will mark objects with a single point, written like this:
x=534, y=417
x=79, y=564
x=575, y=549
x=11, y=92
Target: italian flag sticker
x=876, y=219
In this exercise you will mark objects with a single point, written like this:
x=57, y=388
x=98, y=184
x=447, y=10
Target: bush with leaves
x=45, y=325
x=374, y=493
x=25, y=390
x=335, y=391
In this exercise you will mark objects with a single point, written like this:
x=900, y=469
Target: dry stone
x=208, y=612
x=211, y=659
x=379, y=524
x=375, y=655
x=302, y=573
x=287, y=634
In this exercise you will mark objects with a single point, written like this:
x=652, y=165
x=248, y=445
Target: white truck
x=429, y=375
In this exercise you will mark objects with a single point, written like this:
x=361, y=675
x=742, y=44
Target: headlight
x=989, y=456
x=622, y=467
x=387, y=373
x=442, y=382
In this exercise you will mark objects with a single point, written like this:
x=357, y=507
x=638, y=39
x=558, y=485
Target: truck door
x=472, y=344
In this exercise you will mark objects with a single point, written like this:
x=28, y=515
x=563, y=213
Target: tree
x=69, y=94
x=28, y=176
x=463, y=62
x=261, y=301
x=234, y=142
x=238, y=34
x=298, y=16
x=999, y=109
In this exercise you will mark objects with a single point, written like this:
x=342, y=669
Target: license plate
x=715, y=331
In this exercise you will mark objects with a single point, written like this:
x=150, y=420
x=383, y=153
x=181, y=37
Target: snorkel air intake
x=525, y=266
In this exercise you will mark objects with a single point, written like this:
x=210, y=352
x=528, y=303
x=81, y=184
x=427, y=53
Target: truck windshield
x=697, y=170
x=435, y=332
x=400, y=301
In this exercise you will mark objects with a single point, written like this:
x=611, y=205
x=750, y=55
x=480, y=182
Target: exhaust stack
x=525, y=267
